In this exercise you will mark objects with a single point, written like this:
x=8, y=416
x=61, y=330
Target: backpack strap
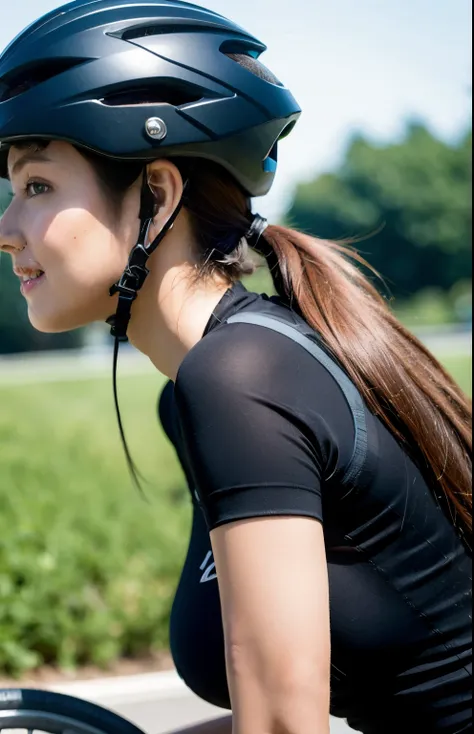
x=360, y=453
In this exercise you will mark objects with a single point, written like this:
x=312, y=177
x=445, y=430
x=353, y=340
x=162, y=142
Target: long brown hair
x=400, y=380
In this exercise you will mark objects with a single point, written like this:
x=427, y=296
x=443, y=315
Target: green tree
x=410, y=202
x=16, y=332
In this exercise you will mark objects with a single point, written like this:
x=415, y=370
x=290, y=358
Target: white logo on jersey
x=209, y=572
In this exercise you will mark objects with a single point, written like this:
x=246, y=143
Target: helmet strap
x=136, y=272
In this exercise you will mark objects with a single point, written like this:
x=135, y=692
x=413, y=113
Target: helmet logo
x=156, y=128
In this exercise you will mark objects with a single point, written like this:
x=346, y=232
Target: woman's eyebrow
x=30, y=157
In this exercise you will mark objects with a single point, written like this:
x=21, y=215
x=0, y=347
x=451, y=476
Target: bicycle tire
x=19, y=707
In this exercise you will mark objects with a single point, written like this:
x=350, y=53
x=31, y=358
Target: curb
x=128, y=689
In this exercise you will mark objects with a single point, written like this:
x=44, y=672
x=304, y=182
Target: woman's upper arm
x=273, y=583
x=242, y=412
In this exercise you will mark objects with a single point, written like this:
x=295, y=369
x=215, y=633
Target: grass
x=460, y=366
x=65, y=434
x=88, y=569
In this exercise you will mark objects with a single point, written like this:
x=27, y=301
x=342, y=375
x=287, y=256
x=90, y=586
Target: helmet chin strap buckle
x=131, y=282
x=135, y=273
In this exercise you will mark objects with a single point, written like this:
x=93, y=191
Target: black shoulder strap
x=359, y=457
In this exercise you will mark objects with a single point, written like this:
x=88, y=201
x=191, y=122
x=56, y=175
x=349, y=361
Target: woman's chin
x=54, y=323
x=48, y=319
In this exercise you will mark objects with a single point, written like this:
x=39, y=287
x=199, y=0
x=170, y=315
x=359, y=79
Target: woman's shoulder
x=229, y=357
x=241, y=368
x=232, y=354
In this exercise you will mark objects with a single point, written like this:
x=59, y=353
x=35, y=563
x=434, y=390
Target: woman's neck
x=171, y=313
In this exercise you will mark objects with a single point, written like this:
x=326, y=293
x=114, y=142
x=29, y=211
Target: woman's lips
x=28, y=285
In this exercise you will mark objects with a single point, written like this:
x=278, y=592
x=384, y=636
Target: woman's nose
x=11, y=239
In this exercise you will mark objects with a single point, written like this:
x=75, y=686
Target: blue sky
x=353, y=65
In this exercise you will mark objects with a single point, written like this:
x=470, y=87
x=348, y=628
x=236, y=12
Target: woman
x=331, y=482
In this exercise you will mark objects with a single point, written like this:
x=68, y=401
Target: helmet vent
x=143, y=31
x=29, y=78
x=255, y=67
x=174, y=93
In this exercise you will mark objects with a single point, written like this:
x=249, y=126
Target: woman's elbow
x=299, y=710
x=289, y=697
x=301, y=705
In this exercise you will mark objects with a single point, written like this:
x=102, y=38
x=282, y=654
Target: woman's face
x=60, y=222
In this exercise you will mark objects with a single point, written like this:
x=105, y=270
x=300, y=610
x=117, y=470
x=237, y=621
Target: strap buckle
x=134, y=275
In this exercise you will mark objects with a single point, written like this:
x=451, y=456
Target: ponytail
x=400, y=380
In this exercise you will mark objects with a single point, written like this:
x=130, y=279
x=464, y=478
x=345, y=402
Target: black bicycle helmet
x=144, y=79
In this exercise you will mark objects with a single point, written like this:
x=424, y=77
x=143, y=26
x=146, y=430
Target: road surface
x=86, y=364
x=157, y=703
x=168, y=715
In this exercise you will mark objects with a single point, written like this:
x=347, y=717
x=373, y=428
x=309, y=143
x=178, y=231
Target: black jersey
x=262, y=429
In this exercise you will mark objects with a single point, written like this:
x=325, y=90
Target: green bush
x=433, y=306
x=88, y=570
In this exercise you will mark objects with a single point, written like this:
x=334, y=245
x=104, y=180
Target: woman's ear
x=166, y=184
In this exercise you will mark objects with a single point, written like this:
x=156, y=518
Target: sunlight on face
x=62, y=215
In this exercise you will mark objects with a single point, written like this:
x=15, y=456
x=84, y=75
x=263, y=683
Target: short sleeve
x=249, y=445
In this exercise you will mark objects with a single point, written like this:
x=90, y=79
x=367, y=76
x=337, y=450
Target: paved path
x=86, y=364
x=157, y=703
x=165, y=716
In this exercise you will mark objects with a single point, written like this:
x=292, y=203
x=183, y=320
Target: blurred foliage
x=4, y=195
x=427, y=307
x=434, y=306
x=409, y=202
x=88, y=570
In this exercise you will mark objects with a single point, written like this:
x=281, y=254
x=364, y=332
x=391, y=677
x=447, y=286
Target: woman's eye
x=36, y=188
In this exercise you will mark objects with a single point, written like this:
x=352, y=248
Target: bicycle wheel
x=42, y=712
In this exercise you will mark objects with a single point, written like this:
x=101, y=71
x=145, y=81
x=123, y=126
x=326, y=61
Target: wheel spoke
x=20, y=729
x=40, y=723
x=38, y=712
